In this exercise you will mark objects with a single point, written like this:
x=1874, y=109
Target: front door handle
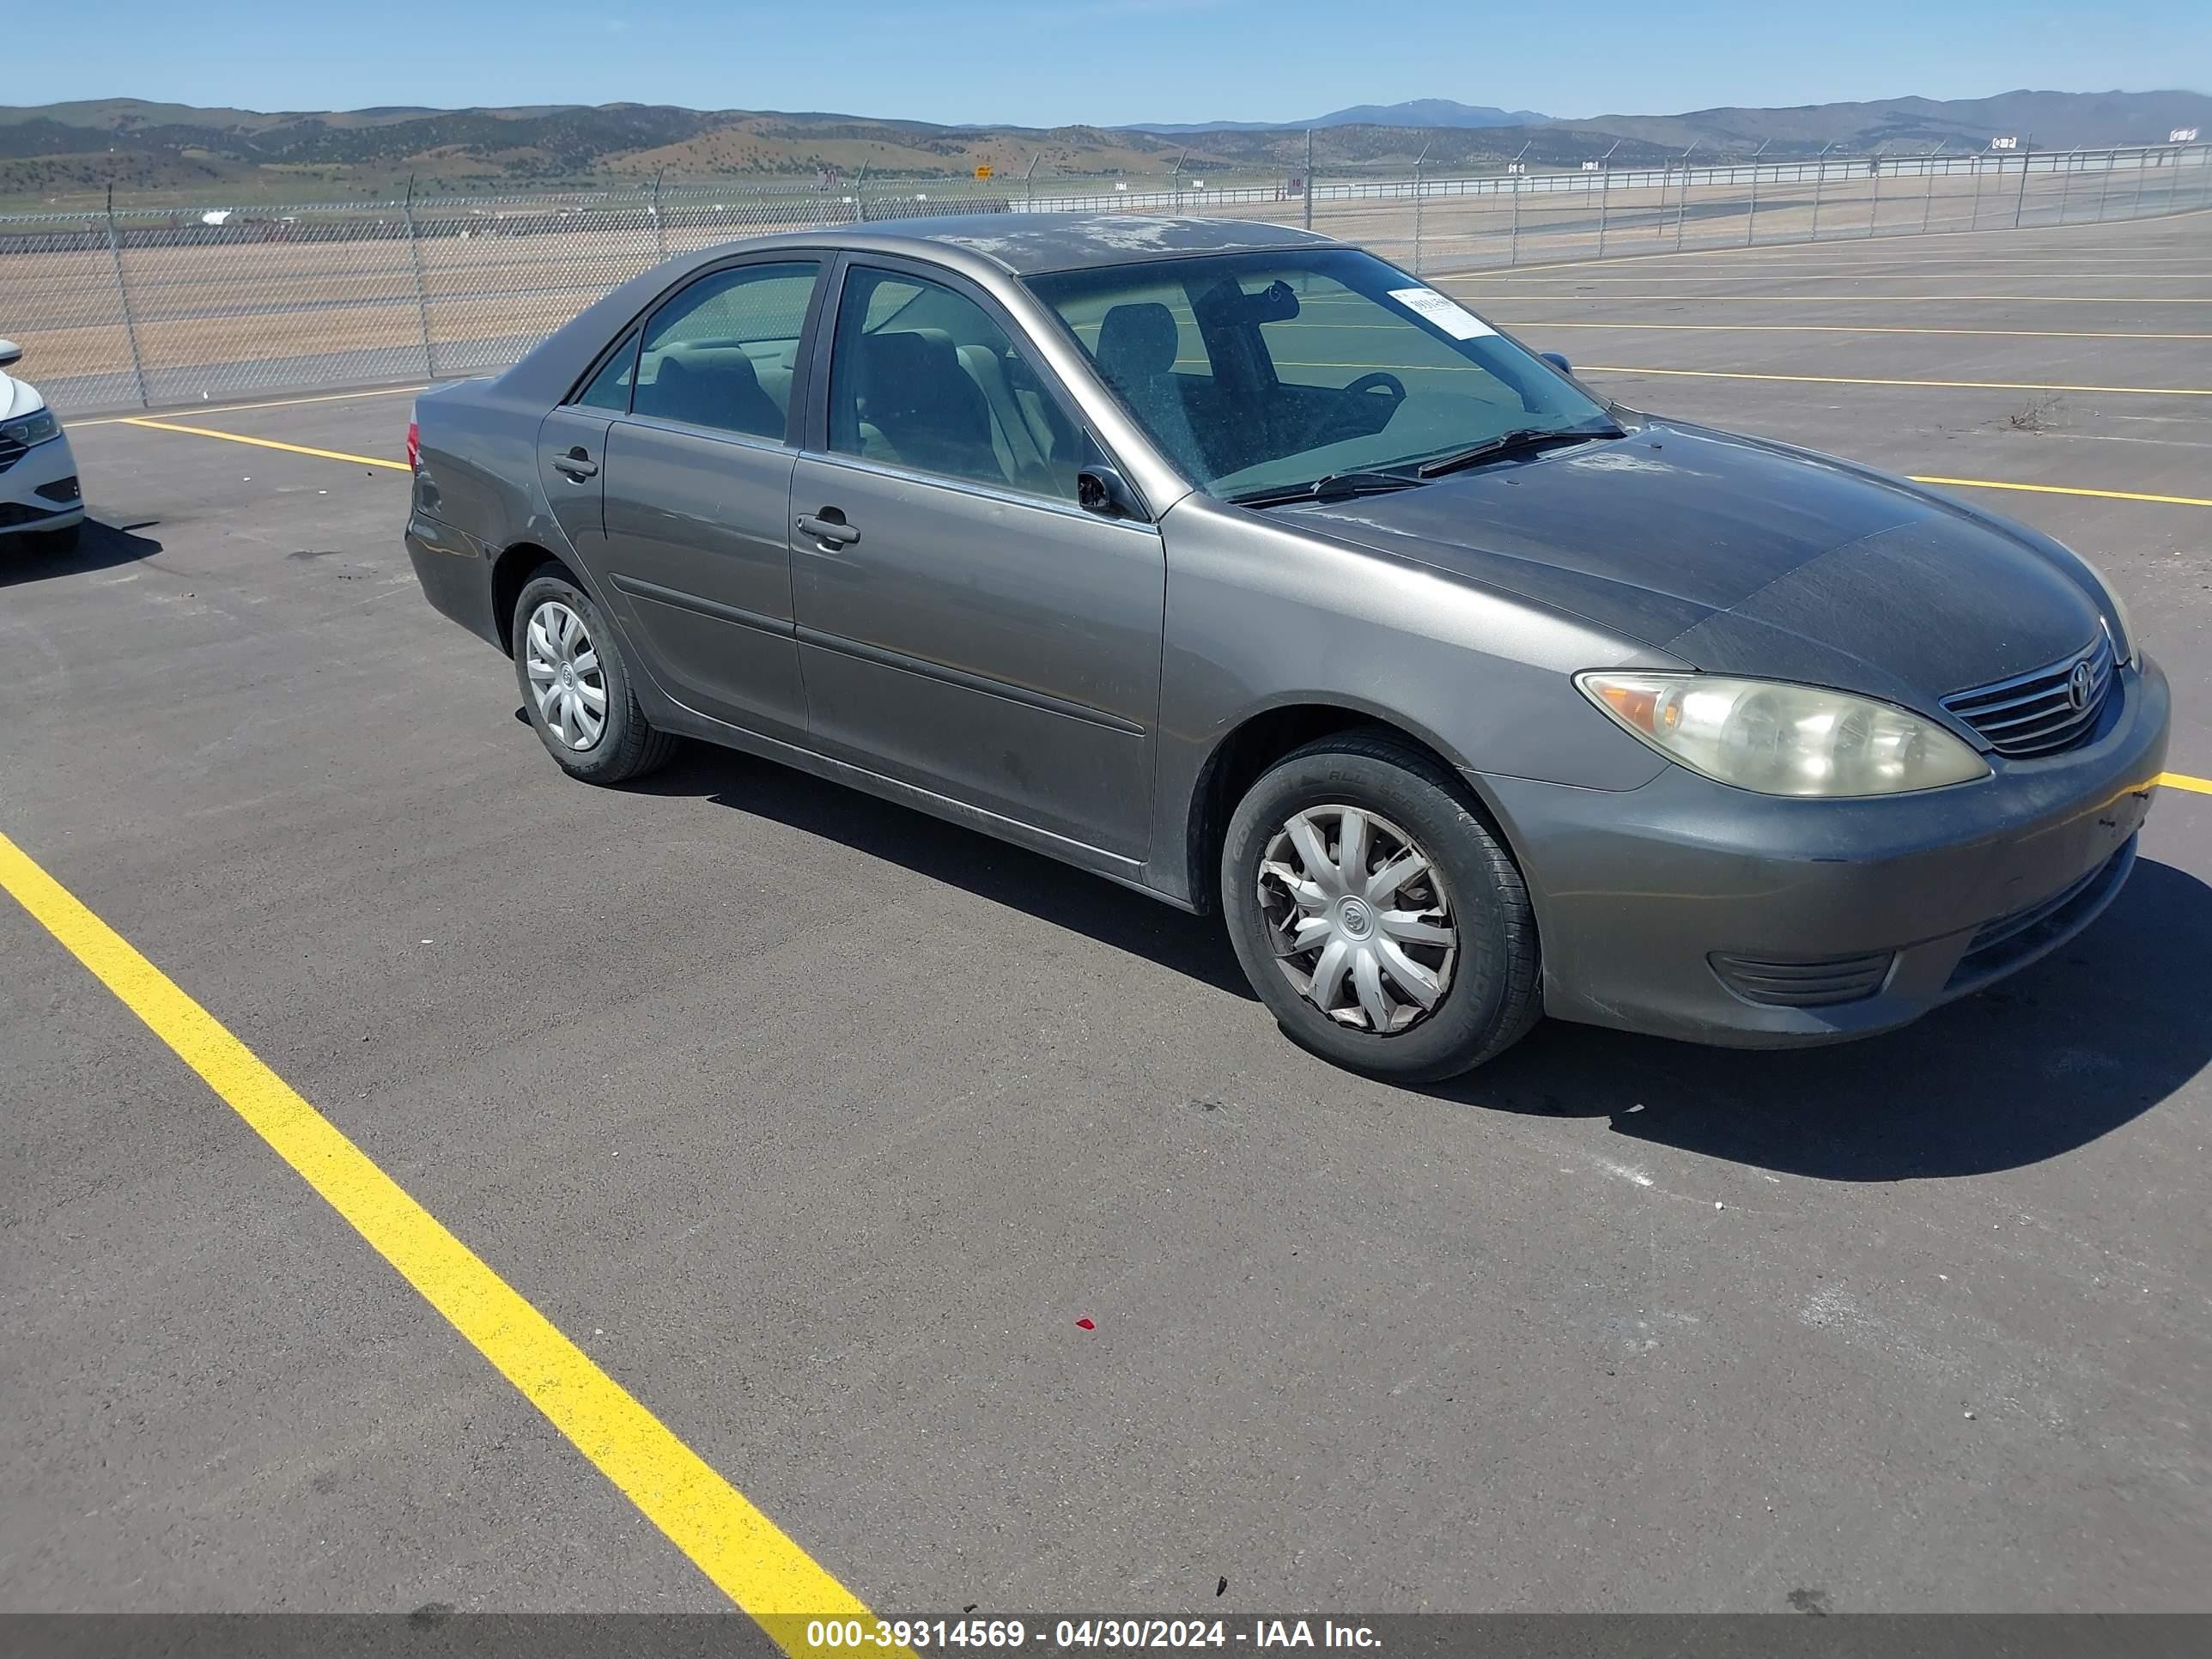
x=576, y=464
x=828, y=526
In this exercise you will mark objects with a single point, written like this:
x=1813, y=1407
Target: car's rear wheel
x=576, y=688
x=1377, y=915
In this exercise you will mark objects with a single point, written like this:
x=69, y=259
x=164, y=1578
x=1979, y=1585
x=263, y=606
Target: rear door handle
x=835, y=531
x=576, y=464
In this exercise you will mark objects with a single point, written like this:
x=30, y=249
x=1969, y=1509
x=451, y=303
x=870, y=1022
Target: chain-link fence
x=131, y=308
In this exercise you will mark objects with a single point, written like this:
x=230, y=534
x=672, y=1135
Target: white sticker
x=1447, y=314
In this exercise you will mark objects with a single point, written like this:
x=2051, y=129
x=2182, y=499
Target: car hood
x=1739, y=556
x=18, y=398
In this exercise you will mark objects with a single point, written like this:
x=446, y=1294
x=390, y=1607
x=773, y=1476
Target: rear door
x=695, y=487
x=572, y=445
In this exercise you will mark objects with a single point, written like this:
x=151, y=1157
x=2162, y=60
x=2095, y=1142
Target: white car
x=40, y=502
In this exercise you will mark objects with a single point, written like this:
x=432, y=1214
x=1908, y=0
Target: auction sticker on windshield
x=1446, y=314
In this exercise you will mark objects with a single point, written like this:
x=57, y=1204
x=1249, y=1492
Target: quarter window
x=719, y=353
x=610, y=387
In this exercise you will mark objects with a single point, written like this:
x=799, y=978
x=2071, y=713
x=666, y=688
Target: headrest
x=1137, y=339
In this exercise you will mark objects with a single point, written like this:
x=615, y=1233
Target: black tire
x=1493, y=997
x=627, y=746
x=53, y=543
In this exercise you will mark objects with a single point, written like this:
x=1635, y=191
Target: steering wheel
x=1380, y=380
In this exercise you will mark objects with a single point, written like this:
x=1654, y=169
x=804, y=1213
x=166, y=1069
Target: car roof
x=1028, y=244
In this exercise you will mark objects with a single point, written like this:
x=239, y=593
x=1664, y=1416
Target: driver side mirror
x=1102, y=489
x=11, y=353
x=1557, y=360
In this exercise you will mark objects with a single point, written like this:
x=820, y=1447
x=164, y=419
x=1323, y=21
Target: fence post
x=1418, y=159
x=1604, y=205
x=1309, y=178
x=2020, y=202
x=2105, y=187
x=123, y=293
x=2134, y=202
x=1513, y=253
x=414, y=260
x=659, y=225
x=1751, y=221
x=1873, y=213
x=1928, y=194
x=1819, y=189
x=1682, y=205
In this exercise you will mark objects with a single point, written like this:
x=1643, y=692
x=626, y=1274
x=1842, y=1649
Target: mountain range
x=1414, y=112
x=64, y=154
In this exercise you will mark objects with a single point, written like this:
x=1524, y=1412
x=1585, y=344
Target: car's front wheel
x=1377, y=915
x=576, y=686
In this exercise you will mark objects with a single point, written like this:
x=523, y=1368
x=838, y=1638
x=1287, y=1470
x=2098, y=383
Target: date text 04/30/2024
x=830, y=1636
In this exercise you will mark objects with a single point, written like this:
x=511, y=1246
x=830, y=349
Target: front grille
x=2039, y=713
x=63, y=491
x=1803, y=984
x=11, y=453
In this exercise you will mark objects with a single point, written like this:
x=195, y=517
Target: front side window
x=719, y=352
x=921, y=376
x=1258, y=372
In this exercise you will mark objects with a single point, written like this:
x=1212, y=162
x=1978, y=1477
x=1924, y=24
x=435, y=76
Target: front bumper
x=1644, y=897
x=38, y=491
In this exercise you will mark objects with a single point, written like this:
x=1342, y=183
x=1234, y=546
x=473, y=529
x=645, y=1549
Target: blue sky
x=1104, y=61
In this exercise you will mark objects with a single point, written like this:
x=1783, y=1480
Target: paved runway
x=817, y=1125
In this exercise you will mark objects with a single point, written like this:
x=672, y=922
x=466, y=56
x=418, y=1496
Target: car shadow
x=2049, y=1060
x=99, y=547
x=2066, y=1051
x=1195, y=946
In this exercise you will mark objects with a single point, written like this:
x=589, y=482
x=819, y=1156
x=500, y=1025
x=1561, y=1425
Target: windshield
x=1263, y=372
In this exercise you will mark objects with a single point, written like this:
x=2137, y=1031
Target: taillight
x=414, y=446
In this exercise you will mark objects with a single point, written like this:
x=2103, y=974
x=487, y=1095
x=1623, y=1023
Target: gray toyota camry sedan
x=1235, y=565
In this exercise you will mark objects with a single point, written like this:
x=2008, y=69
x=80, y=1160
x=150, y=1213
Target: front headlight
x=32, y=428
x=1783, y=739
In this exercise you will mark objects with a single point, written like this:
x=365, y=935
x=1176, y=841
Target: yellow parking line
x=264, y=443
x=2064, y=489
x=746, y=1555
x=273, y=402
x=1851, y=328
x=1861, y=379
x=2183, y=780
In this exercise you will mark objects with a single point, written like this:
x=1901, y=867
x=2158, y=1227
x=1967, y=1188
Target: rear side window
x=719, y=352
x=610, y=387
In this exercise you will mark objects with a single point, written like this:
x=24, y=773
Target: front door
x=962, y=624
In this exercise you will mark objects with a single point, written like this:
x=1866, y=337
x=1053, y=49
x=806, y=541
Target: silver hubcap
x=565, y=676
x=1361, y=923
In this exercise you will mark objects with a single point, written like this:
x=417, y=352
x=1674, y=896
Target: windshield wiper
x=1520, y=440
x=1337, y=486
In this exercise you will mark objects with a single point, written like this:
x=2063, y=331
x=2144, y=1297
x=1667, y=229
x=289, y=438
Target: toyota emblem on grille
x=2079, y=684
